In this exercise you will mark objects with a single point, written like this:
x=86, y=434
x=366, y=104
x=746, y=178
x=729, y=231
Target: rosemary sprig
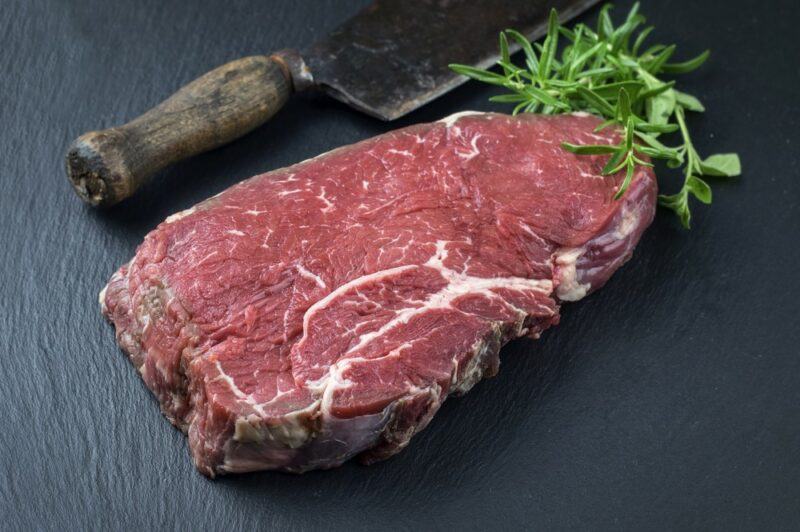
x=608, y=71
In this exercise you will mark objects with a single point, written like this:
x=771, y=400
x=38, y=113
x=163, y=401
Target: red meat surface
x=326, y=310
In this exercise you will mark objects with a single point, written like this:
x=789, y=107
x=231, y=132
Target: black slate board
x=670, y=399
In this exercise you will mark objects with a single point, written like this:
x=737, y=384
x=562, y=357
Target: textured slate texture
x=669, y=399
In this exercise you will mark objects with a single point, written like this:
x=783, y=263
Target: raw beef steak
x=325, y=310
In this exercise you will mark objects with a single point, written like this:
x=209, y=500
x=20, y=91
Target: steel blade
x=392, y=57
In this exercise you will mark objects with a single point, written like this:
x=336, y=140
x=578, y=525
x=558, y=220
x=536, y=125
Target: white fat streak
x=472, y=153
x=604, y=140
x=458, y=284
x=310, y=275
x=178, y=215
x=569, y=289
x=236, y=390
x=590, y=175
x=234, y=232
x=364, y=279
x=324, y=198
x=335, y=380
x=290, y=178
x=101, y=297
x=452, y=119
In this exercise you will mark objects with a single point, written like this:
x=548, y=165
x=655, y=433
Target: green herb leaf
x=689, y=102
x=629, y=133
x=624, y=106
x=545, y=98
x=655, y=90
x=699, y=188
x=630, y=166
x=504, y=55
x=680, y=204
x=660, y=107
x=640, y=40
x=613, y=163
x=509, y=98
x=590, y=149
x=604, y=26
x=655, y=66
x=611, y=90
x=686, y=66
x=531, y=60
x=550, y=45
x=480, y=74
x=722, y=165
x=657, y=128
x=597, y=101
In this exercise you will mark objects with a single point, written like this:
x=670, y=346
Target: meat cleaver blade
x=392, y=57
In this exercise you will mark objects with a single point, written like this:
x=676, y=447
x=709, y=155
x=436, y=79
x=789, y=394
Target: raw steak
x=325, y=310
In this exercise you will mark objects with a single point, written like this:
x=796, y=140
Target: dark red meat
x=325, y=310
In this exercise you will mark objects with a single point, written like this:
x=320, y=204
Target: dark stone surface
x=670, y=399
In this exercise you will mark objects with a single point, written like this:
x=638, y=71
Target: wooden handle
x=107, y=166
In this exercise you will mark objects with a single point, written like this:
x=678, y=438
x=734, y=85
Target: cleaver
x=386, y=61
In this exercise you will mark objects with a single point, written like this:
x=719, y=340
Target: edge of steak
x=326, y=310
